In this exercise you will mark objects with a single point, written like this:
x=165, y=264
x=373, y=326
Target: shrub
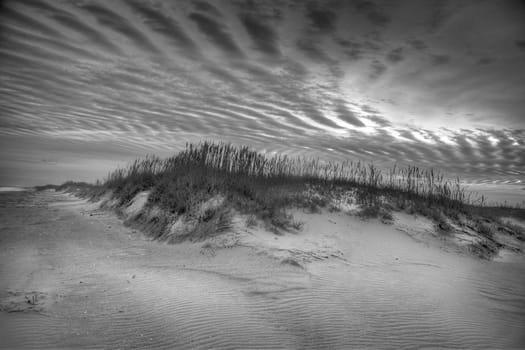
x=486, y=229
x=369, y=212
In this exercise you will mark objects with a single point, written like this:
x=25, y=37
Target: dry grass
x=210, y=162
x=263, y=187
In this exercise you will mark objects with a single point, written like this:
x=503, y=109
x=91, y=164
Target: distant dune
x=12, y=189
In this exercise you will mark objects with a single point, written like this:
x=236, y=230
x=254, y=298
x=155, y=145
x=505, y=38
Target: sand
x=73, y=276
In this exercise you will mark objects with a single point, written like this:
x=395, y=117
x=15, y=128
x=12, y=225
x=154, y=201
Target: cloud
x=407, y=134
x=311, y=111
x=264, y=37
x=9, y=14
x=68, y=20
x=377, y=69
x=272, y=10
x=440, y=59
x=440, y=13
x=162, y=24
x=207, y=7
x=312, y=50
x=395, y=55
x=417, y=44
x=294, y=68
x=364, y=83
x=382, y=122
x=90, y=33
x=372, y=12
x=226, y=76
x=53, y=44
x=34, y=52
x=348, y=116
x=353, y=50
x=485, y=60
x=217, y=34
x=121, y=25
x=369, y=109
x=322, y=19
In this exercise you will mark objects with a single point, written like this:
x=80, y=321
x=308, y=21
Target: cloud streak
x=217, y=34
x=264, y=37
x=333, y=79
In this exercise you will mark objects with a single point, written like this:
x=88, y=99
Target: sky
x=88, y=85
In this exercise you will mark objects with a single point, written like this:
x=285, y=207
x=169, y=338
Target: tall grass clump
x=264, y=186
x=217, y=166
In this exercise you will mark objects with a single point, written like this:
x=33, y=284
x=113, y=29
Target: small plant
x=313, y=208
x=440, y=219
x=296, y=224
x=386, y=217
x=279, y=219
x=333, y=208
x=517, y=230
x=376, y=210
x=369, y=212
x=251, y=221
x=486, y=229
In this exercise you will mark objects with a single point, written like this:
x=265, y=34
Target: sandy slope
x=72, y=275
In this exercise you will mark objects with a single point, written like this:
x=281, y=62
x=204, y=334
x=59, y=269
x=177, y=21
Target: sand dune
x=71, y=275
x=12, y=189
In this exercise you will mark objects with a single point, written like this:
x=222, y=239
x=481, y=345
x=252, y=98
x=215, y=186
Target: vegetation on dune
x=263, y=187
x=46, y=187
x=224, y=167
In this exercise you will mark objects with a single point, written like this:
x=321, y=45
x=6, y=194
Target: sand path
x=72, y=276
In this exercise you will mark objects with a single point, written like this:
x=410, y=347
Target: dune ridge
x=210, y=189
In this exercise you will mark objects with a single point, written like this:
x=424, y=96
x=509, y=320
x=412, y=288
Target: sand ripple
x=108, y=288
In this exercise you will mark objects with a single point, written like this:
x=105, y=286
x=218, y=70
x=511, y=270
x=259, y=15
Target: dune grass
x=219, y=167
x=263, y=187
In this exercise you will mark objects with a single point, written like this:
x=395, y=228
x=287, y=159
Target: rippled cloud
x=437, y=85
x=263, y=36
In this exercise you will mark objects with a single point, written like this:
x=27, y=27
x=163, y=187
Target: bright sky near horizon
x=87, y=85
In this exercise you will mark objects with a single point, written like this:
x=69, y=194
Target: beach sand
x=73, y=276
